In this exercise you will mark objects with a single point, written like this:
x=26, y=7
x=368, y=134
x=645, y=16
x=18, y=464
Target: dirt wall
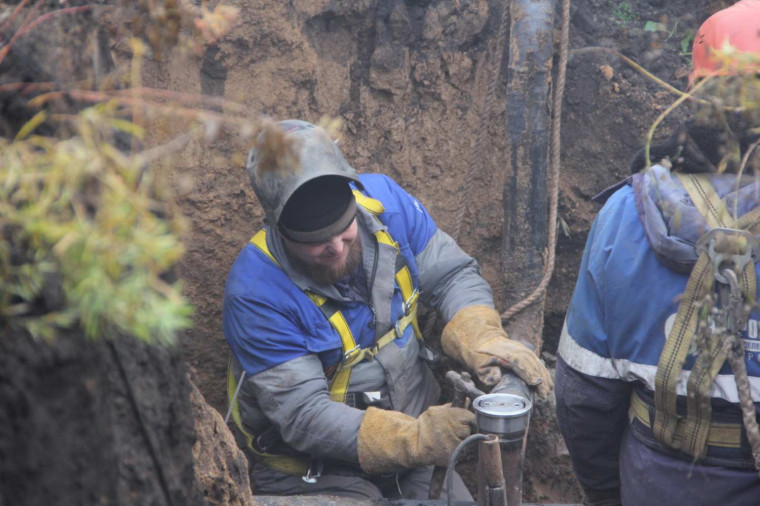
x=408, y=80
x=84, y=422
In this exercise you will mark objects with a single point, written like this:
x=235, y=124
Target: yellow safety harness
x=723, y=435
x=695, y=431
x=352, y=353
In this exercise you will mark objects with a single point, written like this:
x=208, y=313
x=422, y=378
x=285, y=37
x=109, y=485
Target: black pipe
x=528, y=120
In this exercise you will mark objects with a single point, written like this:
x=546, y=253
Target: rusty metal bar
x=491, y=485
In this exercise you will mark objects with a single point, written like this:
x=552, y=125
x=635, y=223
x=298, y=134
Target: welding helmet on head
x=307, y=194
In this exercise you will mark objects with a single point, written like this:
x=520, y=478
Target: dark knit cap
x=318, y=210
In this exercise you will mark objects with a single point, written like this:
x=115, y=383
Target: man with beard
x=658, y=373
x=329, y=380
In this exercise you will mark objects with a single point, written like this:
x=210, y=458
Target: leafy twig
x=26, y=28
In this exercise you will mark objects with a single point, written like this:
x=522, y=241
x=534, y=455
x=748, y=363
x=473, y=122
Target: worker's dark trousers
x=651, y=478
x=412, y=484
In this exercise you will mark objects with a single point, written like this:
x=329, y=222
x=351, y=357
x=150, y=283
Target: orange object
x=738, y=25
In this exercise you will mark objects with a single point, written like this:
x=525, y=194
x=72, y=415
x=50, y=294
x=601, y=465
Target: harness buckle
x=313, y=472
x=398, y=329
x=728, y=246
x=731, y=300
x=350, y=354
x=408, y=304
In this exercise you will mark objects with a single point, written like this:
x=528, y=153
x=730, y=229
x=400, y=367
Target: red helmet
x=738, y=25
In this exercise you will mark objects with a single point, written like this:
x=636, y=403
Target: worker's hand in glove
x=475, y=337
x=393, y=441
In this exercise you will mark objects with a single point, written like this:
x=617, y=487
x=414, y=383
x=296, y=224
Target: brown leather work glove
x=391, y=441
x=474, y=336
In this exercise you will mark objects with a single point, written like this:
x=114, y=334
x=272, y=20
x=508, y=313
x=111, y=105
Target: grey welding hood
x=317, y=156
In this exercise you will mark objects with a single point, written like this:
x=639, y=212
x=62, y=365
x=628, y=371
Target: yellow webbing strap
x=675, y=351
x=369, y=353
x=713, y=353
x=724, y=435
x=338, y=384
x=691, y=434
x=260, y=241
x=705, y=199
x=340, y=380
x=374, y=206
x=404, y=280
x=281, y=463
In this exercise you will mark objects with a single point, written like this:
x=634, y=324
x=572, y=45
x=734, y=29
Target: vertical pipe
x=513, y=445
x=512, y=456
x=528, y=127
x=493, y=492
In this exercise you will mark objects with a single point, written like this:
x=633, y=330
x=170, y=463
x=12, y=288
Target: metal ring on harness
x=717, y=237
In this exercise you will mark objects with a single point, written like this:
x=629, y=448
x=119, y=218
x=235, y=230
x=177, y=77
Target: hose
x=453, y=462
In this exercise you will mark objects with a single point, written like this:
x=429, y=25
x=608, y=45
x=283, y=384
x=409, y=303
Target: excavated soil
x=408, y=79
x=94, y=423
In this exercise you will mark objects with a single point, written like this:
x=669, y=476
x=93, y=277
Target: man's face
x=328, y=261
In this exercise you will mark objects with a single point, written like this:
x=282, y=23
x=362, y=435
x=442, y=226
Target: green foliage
x=656, y=26
x=83, y=219
x=623, y=12
x=686, y=36
x=686, y=40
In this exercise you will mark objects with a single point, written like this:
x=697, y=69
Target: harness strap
x=338, y=383
x=674, y=353
x=352, y=354
x=691, y=434
x=282, y=463
x=705, y=199
x=359, y=355
x=374, y=206
x=721, y=434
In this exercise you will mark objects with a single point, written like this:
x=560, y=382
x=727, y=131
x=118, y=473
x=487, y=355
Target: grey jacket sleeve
x=450, y=278
x=294, y=397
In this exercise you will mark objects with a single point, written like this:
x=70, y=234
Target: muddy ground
x=408, y=80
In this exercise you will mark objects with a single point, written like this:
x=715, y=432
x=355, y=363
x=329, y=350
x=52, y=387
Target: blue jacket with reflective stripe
x=621, y=312
x=624, y=305
x=268, y=320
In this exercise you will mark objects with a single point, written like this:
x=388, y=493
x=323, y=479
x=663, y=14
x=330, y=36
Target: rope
x=553, y=176
x=476, y=156
x=736, y=359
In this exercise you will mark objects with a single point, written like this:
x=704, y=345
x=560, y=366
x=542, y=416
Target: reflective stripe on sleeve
x=588, y=362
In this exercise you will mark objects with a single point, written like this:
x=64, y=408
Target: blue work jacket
x=269, y=320
x=624, y=304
